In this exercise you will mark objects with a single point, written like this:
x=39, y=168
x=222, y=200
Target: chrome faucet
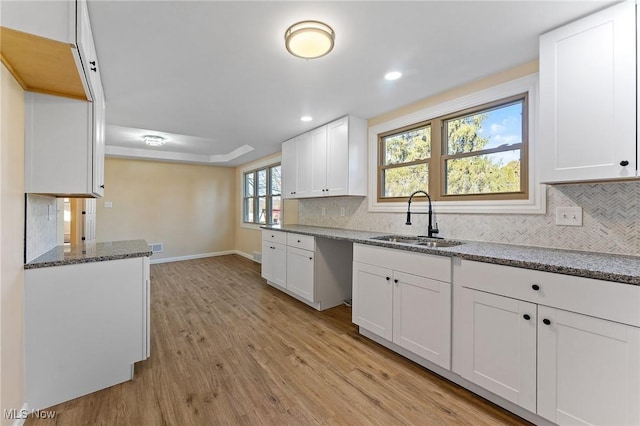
x=431, y=231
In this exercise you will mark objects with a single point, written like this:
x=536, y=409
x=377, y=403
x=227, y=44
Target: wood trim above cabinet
x=42, y=65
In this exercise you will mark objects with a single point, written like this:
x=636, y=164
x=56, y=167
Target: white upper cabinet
x=296, y=174
x=289, y=169
x=588, y=98
x=49, y=46
x=64, y=146
x=319, y=161
x=330, y=161
x=64, y=134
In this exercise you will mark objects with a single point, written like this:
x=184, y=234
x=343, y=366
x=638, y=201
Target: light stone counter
x=90, y=252
x=618, y=268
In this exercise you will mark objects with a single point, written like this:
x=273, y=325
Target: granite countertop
x=610, y=267
x=90, y=252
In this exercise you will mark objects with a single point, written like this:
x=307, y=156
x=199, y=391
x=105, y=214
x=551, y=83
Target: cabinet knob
x=102, y=186
x=388, y=278
x=624, y=163
x=311, y=258
x=536, y=287
x=546, y=321
x=298, y=240
x=395, y=281
x=93, y=63
x=526, y=316
x=94, y=69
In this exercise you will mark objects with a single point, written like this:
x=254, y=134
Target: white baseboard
x=201, y=256
x=243, y=254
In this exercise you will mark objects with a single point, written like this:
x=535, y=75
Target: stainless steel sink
x=439, y=243
x=398, y=239
x=420, y=241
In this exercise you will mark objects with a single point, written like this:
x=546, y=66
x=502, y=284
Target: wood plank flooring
x=227, y=349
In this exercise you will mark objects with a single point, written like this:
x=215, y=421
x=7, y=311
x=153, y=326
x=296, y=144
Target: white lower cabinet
x=396, y=298
x=498, y=350
x=316, y=271
x=85, y=325
x=515, y=336
x=300, y=272
x=274, y=262
x=588, y=369
x=373, y=299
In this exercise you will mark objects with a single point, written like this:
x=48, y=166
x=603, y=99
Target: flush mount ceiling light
x=309, y=39
x=153, y=140
x=306, y=118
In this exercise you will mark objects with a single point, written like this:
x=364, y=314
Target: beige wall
x=189, y=208
x=249, y=239
x=11, y=243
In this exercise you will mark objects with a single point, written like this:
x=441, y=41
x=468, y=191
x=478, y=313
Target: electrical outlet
x=342, y=211
x=108, y=204
x=569, y=216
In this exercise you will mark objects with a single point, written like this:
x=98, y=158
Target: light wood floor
x=228, y=349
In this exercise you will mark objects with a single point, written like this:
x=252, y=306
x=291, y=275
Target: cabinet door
x=422, y=317
x=588, y=98
x=267, y=261
x=89, y=220
x=59, y=142
x=319, y=162
x=303, y=168
x=274, y=263
x=373, y=299
x=300, y=267
x=289, y=169
x=588, y=369
x=498, y=345
x=98, y=142
x=338, y=157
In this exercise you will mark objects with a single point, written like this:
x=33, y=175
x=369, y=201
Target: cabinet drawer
x=602, y=299
x=305, y=242
x=274, y=236
x=424, y=265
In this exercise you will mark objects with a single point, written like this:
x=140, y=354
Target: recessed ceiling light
x=393, y=75
x=306, y=118
x=154, y=140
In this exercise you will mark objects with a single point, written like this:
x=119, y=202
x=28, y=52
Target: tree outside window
x=479, y=153
x=262, y=200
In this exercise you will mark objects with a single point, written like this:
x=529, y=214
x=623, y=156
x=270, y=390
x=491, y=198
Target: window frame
x=268, y=197
x=382, y=154
x=524, y=152
x=534, y=202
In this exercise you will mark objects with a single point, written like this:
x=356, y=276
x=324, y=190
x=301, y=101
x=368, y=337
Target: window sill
x=253, y=226
x=535, y=205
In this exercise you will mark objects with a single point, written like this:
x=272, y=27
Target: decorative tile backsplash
x=611, y=220
x=41, y=225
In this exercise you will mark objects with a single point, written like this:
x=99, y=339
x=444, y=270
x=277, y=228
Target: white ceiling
x=214, y=76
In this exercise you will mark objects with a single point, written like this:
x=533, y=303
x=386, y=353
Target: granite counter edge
x=558, y=269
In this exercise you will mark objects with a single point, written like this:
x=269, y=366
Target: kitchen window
x=478, y=153
x=262, y=200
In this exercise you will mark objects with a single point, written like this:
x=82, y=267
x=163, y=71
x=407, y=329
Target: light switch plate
x=108, y=204
x=569, y=216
